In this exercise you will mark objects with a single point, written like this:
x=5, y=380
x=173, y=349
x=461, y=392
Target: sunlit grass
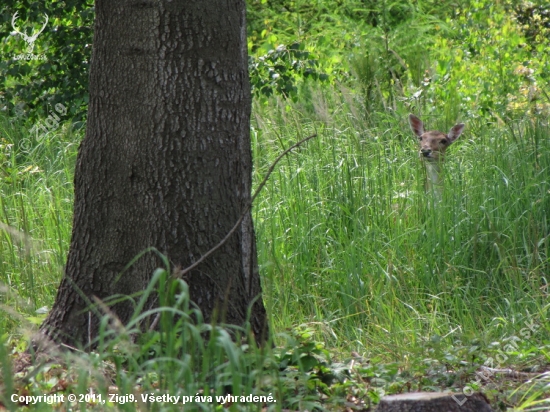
x=35, y=212
x=350, y=243
x=354, y=255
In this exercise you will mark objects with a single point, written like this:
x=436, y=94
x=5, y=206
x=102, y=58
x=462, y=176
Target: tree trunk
x=166, y=162
x=434, y=402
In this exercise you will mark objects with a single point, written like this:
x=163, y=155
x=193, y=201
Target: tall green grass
x=350, y=247
x=351, y=244
x=348, y=240
x=132, y=368
x=35, y=213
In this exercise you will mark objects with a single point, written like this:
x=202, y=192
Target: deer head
x=29, y=39
x=433, y=143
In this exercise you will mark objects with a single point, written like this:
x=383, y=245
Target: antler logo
x=29, y=39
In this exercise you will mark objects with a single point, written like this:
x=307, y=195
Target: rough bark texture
x=166, y=161
x=434, y=402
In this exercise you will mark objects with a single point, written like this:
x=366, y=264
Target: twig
x=247, y=208
x=511, y=373
x=182, y=272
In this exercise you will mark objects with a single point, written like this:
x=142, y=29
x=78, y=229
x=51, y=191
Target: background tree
x=166, y=162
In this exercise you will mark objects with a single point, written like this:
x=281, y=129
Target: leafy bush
x=534, y=20
x=280, y=69
x=486, y=67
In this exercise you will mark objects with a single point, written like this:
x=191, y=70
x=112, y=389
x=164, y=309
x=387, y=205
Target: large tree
x=165, y=163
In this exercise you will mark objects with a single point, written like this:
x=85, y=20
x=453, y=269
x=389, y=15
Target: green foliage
x=534, y=20
x=279, y=70
x=185, y=357
x=36, y=198
x=381, y=43
x=387, y=62
x=349, y=217
x=324, y=30
x=350, y=242
x=488, y=69
x=392, y=292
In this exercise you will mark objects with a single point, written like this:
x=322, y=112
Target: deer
x=433, y=145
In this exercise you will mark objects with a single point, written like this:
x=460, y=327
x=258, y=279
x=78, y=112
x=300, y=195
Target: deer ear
x=416, y=125
x=455, y=132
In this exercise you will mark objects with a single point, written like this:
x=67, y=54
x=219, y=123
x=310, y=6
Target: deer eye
x=444, y=141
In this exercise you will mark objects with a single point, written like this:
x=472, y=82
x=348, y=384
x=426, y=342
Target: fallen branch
x=510, y=373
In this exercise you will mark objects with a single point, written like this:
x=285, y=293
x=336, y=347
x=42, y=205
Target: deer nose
x=426, y=152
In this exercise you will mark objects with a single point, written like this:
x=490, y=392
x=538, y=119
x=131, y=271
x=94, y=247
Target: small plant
x=281, y=69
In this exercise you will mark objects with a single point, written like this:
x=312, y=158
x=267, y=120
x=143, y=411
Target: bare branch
x=245, y=211
x=180, y=273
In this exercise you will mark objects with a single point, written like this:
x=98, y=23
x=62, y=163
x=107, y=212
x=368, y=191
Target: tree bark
x=434, y=402
x=165, y=163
